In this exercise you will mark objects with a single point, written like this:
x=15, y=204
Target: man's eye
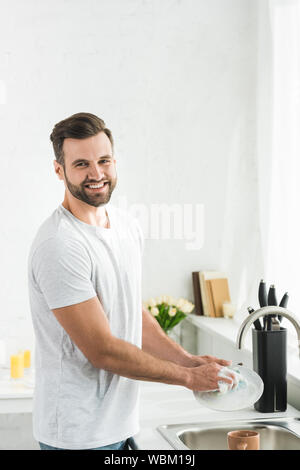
x=85, y=164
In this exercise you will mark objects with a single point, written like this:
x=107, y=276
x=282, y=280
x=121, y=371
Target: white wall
x=175, y=81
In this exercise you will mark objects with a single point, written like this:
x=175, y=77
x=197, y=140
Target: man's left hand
x=201, y=360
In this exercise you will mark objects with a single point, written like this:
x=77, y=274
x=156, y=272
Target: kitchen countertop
x=159, y=404
x=16, y=396
x=18, y=388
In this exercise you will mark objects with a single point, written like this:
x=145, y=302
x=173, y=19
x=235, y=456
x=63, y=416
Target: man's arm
x=157, y=343
x=88, y=327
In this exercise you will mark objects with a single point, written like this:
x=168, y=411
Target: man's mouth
x=97, y=188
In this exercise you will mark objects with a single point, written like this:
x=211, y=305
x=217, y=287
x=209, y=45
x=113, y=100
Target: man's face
x=89, y=162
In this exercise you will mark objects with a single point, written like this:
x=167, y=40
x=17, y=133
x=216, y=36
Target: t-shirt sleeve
x=62, y=271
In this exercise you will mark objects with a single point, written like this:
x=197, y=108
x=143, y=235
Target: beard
x=95, y=200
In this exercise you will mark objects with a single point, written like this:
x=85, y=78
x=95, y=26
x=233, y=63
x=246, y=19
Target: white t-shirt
x=78, y=406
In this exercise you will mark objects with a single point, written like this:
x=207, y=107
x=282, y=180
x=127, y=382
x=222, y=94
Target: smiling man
x=94, y=342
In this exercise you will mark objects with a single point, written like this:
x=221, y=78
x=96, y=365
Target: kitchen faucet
x=269, y=310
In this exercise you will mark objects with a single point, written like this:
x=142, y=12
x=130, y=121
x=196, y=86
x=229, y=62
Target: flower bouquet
x=168, y=311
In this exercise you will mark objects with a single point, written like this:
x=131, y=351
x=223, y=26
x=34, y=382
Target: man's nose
x=95, y=172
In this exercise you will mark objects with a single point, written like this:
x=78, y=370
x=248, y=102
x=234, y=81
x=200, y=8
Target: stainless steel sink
x=275, y=434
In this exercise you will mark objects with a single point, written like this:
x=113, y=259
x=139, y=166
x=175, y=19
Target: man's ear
x=58, y=168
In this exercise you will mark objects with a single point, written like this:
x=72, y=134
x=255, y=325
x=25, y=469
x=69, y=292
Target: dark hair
x=77, y=126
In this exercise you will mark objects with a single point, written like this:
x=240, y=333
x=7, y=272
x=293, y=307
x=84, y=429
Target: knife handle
x=284, y=300
x=257, y=322
x=262, y=294
x=272, y=299
x=283, y=303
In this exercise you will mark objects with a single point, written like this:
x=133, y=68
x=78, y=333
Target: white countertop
x=159, y=404
x=18, y=388
x=16, y=396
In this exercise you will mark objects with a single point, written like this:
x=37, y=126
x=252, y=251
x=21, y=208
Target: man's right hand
x=206, y=377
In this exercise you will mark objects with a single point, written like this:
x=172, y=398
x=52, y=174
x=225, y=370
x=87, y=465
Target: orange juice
x=26, y=359
x=17, y=366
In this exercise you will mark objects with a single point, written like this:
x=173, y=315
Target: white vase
x=174, y=334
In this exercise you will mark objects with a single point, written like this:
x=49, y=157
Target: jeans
x=122, y=445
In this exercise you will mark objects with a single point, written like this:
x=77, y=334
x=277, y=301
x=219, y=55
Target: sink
x=275, y=434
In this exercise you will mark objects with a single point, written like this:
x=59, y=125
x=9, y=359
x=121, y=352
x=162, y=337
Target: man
x=94, y=342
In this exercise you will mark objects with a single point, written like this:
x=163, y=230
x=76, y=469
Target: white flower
x=184, y=305
x=151, y=302
x=180, y=302
x=158, y=300
x=154, y=311
x=172, y=311
x=184, y=308
x=188, y=307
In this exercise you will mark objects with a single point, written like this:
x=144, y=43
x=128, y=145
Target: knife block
x=270, y=362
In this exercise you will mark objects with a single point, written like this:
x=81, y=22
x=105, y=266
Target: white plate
x=247, y=392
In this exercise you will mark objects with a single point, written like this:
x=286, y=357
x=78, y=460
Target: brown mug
x=243, y=440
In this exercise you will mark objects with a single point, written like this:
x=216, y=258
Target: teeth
x=96, y=185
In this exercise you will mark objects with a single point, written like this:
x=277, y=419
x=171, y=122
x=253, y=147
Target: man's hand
x=206, y=377
x=196, y=361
